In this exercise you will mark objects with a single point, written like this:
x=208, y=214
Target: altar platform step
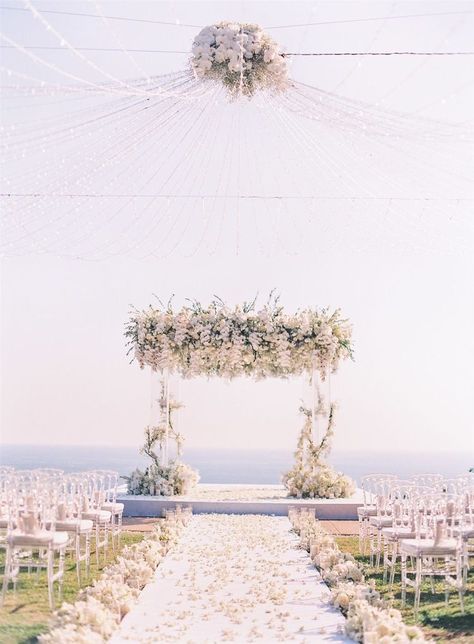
x=239, y=499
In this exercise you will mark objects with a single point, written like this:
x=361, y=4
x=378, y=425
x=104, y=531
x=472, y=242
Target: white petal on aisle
x=234, y=578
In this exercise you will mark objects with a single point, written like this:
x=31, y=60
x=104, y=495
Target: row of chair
x=422, y=526
x=44, y=513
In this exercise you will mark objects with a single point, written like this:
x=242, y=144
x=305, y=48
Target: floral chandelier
x=241, y=56
x=229, y=342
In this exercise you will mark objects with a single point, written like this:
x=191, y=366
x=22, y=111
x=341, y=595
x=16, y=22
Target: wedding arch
x=217, y=340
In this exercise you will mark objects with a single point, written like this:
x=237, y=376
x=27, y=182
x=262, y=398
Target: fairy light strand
x=290, y=26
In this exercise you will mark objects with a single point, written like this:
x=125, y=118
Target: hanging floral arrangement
x=241, y=56
x=229, y=342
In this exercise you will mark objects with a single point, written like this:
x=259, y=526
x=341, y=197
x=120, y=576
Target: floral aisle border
x=97, y=613
x=369, y=619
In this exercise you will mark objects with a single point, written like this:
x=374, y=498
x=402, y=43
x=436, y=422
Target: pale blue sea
x=233, y=466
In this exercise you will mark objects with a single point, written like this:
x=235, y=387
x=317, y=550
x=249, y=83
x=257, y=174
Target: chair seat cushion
x=399, y=532
x=75, y=525
x=41, y=538
x=114, y=508
x=97, y=516
x=381, y=522
x=367, y=511
x=467, y=532
x=427, y=547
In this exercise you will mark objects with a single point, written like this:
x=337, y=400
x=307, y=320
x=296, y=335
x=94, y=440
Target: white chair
x=101, y=519
x=433, y=551
x=369, y=485
x=79, y=531
x=381, y=519
x=29, y=538
x=402, y=527
x=465, y=529
x=112, y=505
x=8, y=509
x=365, y=511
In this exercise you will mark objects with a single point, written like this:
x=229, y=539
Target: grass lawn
x=439, y=622
x=25, y=614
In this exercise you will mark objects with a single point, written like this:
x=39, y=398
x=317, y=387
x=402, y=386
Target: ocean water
x=233, y=466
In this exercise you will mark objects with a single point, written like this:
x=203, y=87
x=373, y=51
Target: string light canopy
x=156, y=164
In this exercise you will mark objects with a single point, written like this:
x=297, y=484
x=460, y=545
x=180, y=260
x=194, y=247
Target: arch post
x=315, y=399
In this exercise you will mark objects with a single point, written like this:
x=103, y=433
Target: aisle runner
x=234, y=578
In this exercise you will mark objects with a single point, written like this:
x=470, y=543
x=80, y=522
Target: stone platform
x=242, y=499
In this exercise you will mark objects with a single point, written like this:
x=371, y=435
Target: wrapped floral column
x=311, y=477
x=165, y=476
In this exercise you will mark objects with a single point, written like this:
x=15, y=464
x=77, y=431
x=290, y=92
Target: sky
x=404, y=279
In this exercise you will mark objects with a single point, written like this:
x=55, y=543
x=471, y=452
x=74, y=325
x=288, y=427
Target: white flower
x=113, y=593
x=89, y=613
x=163, y=480
x=241, y=56
x=374, y=625
x=218, y=341
x=347, y=592
x=71, y=634
x=133, y=572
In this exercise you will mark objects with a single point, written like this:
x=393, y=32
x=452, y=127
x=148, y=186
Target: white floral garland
x=369, y=619
x=219, y=341
x=99, y=609
x=241, y=56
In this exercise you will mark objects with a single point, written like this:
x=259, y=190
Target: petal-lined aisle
x=235, y=578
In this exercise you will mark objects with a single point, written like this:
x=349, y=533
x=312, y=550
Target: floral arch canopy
x=229, y=342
